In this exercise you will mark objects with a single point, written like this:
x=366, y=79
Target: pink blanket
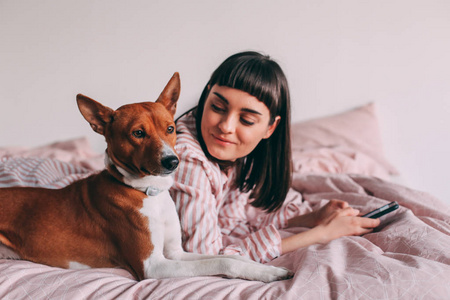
x=407, y=257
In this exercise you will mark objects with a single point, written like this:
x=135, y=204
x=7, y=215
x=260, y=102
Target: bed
x=338, y=156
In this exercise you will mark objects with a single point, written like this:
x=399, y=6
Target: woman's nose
x=227, y=124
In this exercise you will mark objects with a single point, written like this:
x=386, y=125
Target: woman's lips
x=222, y=140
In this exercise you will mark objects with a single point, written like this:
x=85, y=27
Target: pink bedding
x=408, y=257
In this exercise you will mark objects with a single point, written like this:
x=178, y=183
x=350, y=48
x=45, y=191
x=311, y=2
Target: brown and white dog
x=123, y=216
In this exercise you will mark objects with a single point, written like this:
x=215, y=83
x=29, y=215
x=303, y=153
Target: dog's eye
x=139, y=134
x=170, y=129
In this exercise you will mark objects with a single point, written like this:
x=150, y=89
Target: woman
x=235, y=155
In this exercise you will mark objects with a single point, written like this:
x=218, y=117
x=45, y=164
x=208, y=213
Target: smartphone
x=382, y=210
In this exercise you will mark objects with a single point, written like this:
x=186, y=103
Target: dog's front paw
x=252, y=270
x=275, y=273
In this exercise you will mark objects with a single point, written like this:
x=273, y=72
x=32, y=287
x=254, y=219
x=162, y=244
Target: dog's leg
x=160, y=267
x=177, y=263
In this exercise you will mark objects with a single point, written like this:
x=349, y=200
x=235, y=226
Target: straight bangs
x=255, y=77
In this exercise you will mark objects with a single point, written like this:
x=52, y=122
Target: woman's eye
x=217, y=108
x=139, y=134
x=170, y=129
x=247, y=122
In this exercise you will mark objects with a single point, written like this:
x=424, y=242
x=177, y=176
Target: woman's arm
x=306, y=220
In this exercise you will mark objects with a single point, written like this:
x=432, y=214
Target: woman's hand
x=344, y=222
x=329, y=210
x=334, y=220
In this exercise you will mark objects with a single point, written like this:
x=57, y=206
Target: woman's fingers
x=369, y=223
x=348, y=211
x=338, y=203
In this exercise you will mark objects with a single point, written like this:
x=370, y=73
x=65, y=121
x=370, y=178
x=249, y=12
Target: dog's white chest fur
x=155, y=209
x=163, y=221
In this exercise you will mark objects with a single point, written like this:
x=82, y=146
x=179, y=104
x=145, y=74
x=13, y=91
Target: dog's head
x=140, y=137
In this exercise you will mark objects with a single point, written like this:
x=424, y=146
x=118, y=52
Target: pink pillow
x=354, y=134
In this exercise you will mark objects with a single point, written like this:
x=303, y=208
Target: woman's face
x=234, y=122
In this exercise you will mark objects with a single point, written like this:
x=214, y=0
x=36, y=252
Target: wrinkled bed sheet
x=407, y=257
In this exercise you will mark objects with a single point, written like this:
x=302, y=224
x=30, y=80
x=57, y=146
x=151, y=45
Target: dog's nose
x=170, y=162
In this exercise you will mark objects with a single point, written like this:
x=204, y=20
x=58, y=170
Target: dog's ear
x=95, y=113
x=169, y=96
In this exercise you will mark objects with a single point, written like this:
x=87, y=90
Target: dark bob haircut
x=266, y=171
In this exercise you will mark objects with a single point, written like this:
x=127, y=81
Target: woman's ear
x=272, y=127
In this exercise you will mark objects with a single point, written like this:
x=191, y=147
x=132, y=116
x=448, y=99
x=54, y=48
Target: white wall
x=336, y=54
